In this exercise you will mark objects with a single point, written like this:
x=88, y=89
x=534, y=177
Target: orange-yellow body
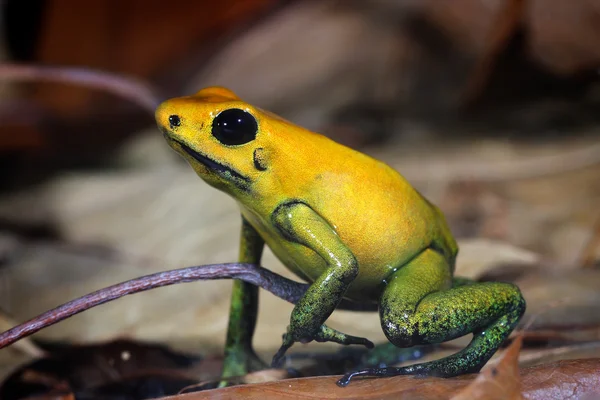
x=348, y=224
x=379, y=216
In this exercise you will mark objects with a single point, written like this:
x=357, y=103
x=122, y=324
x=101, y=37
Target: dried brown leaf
x=572, y=379
x=501, y=382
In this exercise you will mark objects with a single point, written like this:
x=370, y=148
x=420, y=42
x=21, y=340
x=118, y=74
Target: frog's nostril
x=174, y=121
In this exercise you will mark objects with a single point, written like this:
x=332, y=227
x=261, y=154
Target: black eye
x=174, y=120
x=234, y=126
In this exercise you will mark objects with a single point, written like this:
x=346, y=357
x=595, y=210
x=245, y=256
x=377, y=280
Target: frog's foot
x=489, y=311
x=469, y=360
x=325, y=334
x=444, y=368
x=240, y=362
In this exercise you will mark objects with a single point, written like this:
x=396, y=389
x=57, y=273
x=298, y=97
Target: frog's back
x=379, y=215
x=374, y=210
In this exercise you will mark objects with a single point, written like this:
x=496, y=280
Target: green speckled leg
x=298, y=223
x=419, y=307
x=240, y=358
x=385, y=354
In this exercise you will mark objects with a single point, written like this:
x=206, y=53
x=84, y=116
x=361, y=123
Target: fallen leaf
x=572, y=379
x=558, y=380
x=501, y=381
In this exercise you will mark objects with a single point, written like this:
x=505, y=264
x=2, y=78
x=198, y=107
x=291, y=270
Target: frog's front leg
x=240, y=357
x=419, y=306
x=299, y=223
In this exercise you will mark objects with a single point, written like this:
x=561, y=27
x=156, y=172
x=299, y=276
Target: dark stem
x=129, y=88
x=281, y=287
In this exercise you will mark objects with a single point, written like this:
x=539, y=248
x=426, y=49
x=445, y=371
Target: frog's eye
x=174, y=121
x=234, y=126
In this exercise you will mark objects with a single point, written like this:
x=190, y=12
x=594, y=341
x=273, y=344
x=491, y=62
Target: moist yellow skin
x=347, y=223
x=372, y=207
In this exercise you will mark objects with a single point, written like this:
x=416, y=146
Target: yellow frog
x=346, y=223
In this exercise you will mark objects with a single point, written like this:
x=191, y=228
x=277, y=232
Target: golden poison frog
x=348, y=224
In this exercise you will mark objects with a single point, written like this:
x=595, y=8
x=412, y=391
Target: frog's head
x=218, y=135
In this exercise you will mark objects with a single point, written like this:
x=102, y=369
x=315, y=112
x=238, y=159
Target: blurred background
x=491, y=108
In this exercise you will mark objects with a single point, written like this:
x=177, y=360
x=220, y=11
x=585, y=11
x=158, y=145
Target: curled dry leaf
x=501, y=381
x=572, y=379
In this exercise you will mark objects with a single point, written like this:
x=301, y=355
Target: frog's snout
x=166, y=119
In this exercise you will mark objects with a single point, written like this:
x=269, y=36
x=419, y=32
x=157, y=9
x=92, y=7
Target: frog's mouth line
x=223, y=170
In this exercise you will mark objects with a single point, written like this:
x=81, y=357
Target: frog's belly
x=377, y=257
x=309, y=265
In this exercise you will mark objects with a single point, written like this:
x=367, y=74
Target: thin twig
x=129, y=88
x=281, y=287
x=25, y=346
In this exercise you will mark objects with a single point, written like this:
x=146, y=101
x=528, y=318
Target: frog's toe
x=374, y=372
x=327, y=334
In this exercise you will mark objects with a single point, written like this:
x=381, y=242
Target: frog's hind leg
x=422, y=305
